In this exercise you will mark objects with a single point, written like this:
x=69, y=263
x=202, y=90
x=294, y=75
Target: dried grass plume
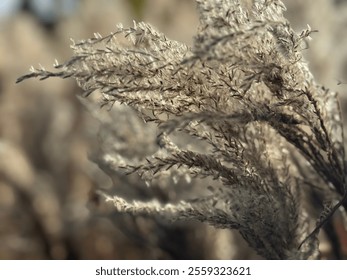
x=264, y=130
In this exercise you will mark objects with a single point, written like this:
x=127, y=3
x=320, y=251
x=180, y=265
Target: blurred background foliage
x=48, y=209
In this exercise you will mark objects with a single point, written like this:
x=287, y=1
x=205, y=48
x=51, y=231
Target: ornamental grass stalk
x=249, y=112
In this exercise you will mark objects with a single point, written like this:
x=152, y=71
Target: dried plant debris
x=267, y=134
